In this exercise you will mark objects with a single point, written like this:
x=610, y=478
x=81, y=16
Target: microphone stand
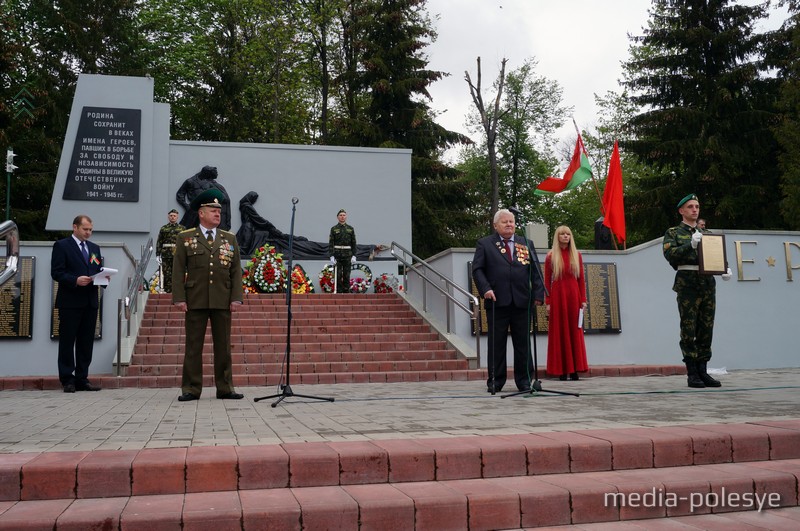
x=536, y=384
x=286, y=390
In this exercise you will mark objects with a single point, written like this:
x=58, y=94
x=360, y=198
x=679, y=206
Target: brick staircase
x=706, y=476
x=353, y=338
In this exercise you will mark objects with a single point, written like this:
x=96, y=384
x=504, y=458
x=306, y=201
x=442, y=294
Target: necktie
x=508, y=250
x=210, y=236
x=85, y=252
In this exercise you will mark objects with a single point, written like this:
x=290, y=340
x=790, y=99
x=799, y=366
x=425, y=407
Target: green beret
x=687, y=198
x=341, y=211
x=210, y=198
x=173, y=211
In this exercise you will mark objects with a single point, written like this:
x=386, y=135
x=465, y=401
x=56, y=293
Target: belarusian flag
x=577, y=172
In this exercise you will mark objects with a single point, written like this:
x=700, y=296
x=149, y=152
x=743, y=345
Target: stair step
x=480, y=482
x=615, y=457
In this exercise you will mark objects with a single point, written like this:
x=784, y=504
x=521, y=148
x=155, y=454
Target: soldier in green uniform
x=696, y=293
x=207, y=285
x=165, y=249
x=342, y=248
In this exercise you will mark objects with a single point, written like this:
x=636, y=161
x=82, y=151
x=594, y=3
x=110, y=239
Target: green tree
x=784, y=54
x=51, y=42
x=705, y=118
x=388, y=109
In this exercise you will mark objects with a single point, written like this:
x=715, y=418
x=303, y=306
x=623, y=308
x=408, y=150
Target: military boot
x=693, y=379
x=702, y=367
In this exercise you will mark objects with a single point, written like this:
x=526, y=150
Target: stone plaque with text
x=602, y=294
x=106, y=155
x=16, y=301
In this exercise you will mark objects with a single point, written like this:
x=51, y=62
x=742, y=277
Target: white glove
x=727, y=275
x=158, y=259
x=333, y=260
x=696, y=237
x=352, y=259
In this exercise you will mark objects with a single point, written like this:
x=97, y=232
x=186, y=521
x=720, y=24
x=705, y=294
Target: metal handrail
x=423, y=268
x=9, y=232
x=130, y=304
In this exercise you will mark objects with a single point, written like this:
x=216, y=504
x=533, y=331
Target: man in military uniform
x=207, y=284
x=165, y=249
x=696, y=293
x=342, y=248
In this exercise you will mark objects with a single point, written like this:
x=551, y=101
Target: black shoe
x=87, y=387
x=692, y=377
x=574, y=376
x=496, y=389
x=563, y=377
x=230, y=396
x=188, y=397
x=69, y=388
x=702, y=368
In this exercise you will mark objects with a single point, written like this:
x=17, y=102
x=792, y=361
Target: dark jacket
x=510, y=281
x=66, y=265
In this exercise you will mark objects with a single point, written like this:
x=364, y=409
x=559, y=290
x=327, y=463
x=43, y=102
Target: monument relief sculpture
x=198, y=183
x=257, y=230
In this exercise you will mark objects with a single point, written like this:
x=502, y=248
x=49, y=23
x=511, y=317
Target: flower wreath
x=327, y=279
x=359, y=284
x=300, y=282
x=387, y=283
x=266, y=272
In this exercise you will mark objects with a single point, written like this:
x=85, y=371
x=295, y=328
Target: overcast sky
x=578, y=43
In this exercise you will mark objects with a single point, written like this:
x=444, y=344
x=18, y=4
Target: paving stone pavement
x=115, y=419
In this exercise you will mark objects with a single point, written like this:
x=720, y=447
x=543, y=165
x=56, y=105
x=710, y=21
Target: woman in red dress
x=563, y=278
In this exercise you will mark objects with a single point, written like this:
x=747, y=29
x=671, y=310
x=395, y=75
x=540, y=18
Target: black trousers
x=516, y=319
x=75, y=344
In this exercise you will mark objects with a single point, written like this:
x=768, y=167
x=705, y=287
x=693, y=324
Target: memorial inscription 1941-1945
x=105, y=157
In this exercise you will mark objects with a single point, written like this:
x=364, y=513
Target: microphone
x=295, y=200
x=515, y=211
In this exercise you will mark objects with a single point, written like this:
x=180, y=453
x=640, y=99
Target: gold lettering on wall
x=788, y=251
x=741, y=261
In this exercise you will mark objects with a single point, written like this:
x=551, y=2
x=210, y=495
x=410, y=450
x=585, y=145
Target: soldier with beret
x=207, y=285
x=342, y=249
x=165, y=248
x=696, y=292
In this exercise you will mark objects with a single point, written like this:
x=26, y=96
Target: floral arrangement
x=265, y=272
x=387, y=283
x=327, y=279
x=152, y=286
x=300, y=281
x=360, y=284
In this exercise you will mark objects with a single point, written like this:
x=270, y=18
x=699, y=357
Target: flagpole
x=596, y=187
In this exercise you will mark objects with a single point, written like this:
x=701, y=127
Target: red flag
x=613, y=201
x=577, y=172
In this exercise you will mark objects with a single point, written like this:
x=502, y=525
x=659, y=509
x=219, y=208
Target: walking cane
x=491, y=350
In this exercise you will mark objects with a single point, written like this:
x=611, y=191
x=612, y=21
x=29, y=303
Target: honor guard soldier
x=165, y=249
x=207, y=284
x=696, y=293
x=342, y=248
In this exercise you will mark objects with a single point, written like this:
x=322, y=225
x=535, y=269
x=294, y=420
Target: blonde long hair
x=555, y=254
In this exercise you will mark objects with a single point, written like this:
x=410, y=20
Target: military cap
x=209, y=198
x=687, y=198
x=341, y=211
x=173, y=211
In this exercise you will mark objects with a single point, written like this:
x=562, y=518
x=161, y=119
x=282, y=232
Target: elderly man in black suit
x=73, y=263
x=503, y=272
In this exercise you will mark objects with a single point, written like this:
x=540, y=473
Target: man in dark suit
x=207, y=284
x=73, y=263
x=502, y=270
